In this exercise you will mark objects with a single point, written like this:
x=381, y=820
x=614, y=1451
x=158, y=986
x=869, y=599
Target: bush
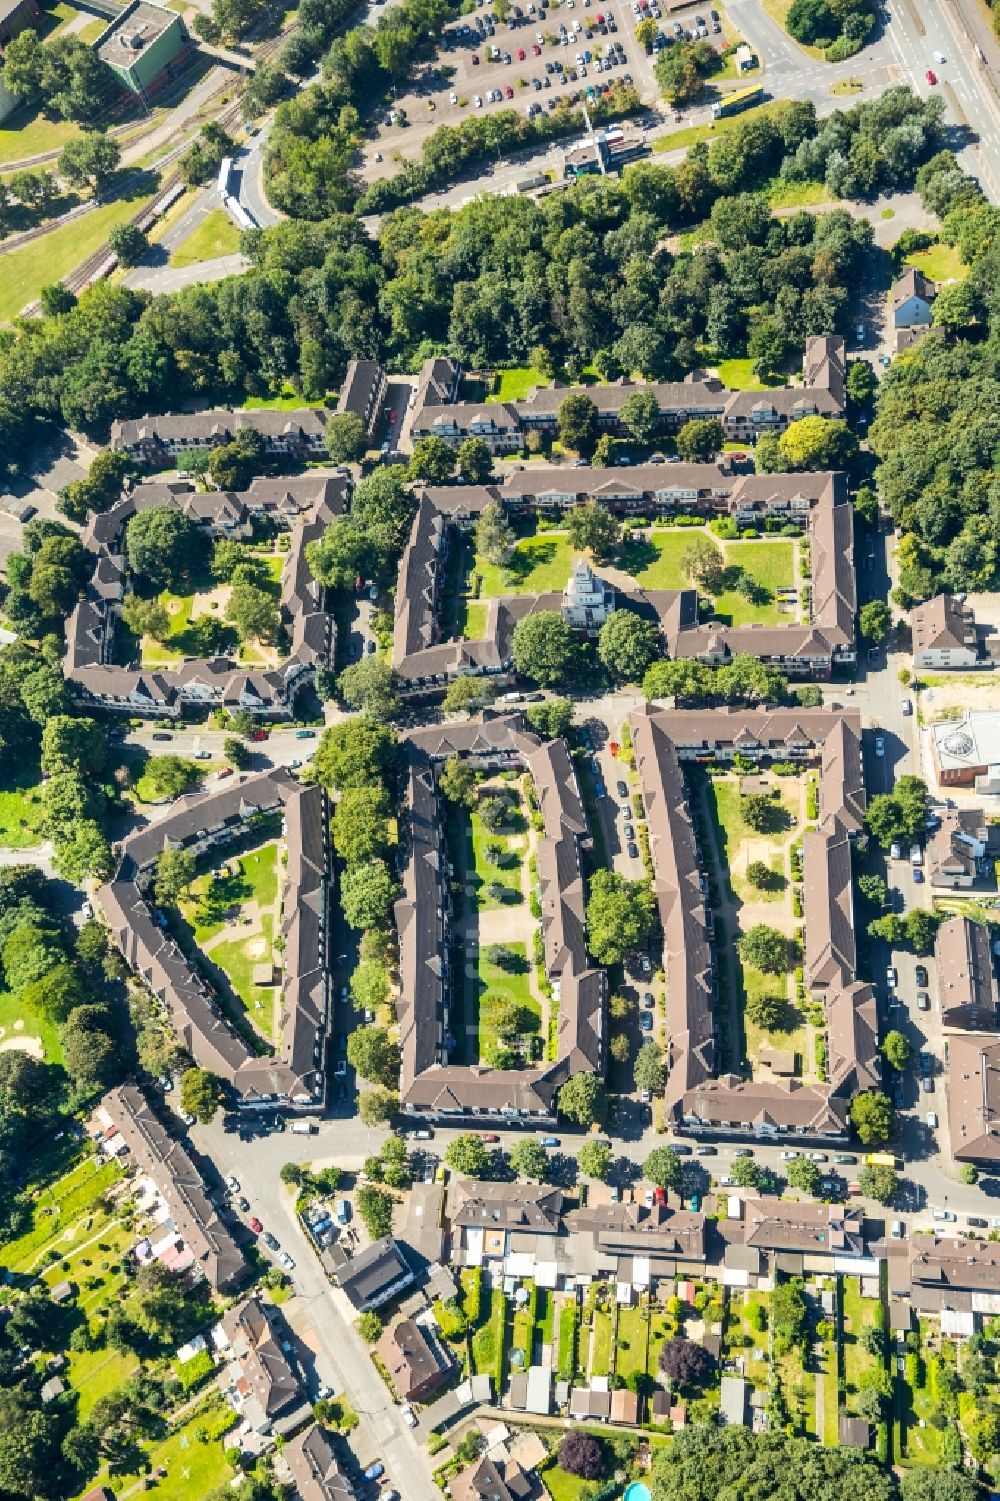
x=583, y=1455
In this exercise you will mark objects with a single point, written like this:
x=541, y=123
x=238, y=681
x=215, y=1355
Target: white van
x=916, y=855
x=303, y=1128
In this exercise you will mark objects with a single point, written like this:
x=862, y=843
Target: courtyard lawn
x=939, y=262
x=539, y=564
x=630, y=1345
x=514, y=385
x=731, y=831
x=482, y=870
x=739, y=375
x=287, y=400
x=213, y=901
x=28, y=1026
x=216, y=235
x=602, y=1342
x=473, y=621
x=67, y=1211
x=21, y=811
x=149, y=789
x=236, y=958
x=771, y=565
x=514, y=985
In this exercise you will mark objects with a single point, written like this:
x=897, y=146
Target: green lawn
x=482, y=870
x=601, y=1344
x=690, y=135
x=732, y=831
x=52, y=257
x=798, y=194
x=287, y=400
x=939, y=262
x=539, y=564
x=216, y=235
x=29, y=133
x=19, y=1020
x=473, y=626
x=545, y=1315
x=564, y=1487
x=487, y=1341
x=515, y=986
x=67, y=1211
x=630, y=1345
x=859, y=1312
x=253, y=878
x=657, y=563
x=21, y=810
x=237, y=965
x=514, y=385
x=192, y=1461
x=738, y=375
x=149, y=789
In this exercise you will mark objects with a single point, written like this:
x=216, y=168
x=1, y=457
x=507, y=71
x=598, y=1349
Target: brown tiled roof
x=941, y=623
x=967, y=986
x=775, y=1225
x=974, y=1096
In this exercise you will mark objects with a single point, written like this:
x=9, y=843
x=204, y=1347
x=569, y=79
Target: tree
x=745, y=1172
x=146, y=617
x=253, y=610
x=70, y=744
x=373, y=1055
x=552, y=718
x=457, y=781
x=346, y=438
x=874, y=890
x=620, y=916
x=593, y=528
x=354, y=752
x=543, y=647
x=493, y=812
x=788, y=1313
x=495, y=537
x=578, y=422
x=475, y=462
x=816, y=443
x=620, y=1047
x=757, y=810
x=760, y=874
x=581, y=1454
x=29, y=1437
x=685, y=1363
x=703, y=566
x=875, y=620
x=366, y=894
x=432, y=460
x=370, y=1326
x=937, y=1485
x=377, y=1106
x=129, y=243
x=626, y=645
x=236, y=753
x=766, y=1011
x=804, y=1174
x=89, y=160
x=898, y=1049
x=878, y=1183
x=162, y=545
x=583, y=1099
x=529, y=1159
x=370, y=985
x=201, y=1094
x=360, y=824
x=872, y=1117
x=594, y=1160
x=680, y=72
x=175, y=870
x=920, y=929
x=468, y=695
x=375, y=1207
x=90, y=1054
x=640, y=414
x=765, y=948
x=467, y=1155
x=699, y=440
x=663, y=1168
x=648, y=1070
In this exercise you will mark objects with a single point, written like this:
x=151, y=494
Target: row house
x=157, y=440
x=363, y=393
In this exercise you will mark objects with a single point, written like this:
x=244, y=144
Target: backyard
x=858, y=1314
x=21, y=811
x=209, y=599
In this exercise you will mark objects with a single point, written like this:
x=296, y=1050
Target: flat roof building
x=145, y=46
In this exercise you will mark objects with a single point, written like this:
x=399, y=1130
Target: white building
x=587, y=600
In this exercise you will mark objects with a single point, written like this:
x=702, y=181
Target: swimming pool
x=637, y=1491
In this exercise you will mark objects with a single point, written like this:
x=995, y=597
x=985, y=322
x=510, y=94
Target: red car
x=255, y=1224
x=508, y=92
x=490, y=1136
x=259, y=735
x=392, y=415
x=520, y=54
x=931, y=76
x=659, y=1197
x=536, y=49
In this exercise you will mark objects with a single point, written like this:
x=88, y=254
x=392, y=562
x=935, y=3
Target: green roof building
x=145, y=47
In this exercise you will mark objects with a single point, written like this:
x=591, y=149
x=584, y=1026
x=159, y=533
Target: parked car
x=632, y=850
x=286, y=1261
x=550, y=1141
x=920, y=971
x=243, y=1205
x=879, y=746
x=647, y=1022
x=844, y=1157
x=788, y=1155
x=255, y=1224
x=622, y=789
x=305, y=734
x=946, y=1215
x=233, y=1184
x=743, y=1152
x=406, y=1411
x=270, y=1241
x=891, y=977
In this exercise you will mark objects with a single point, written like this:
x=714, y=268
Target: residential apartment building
x=293, y=1075
x=416, y=1360
x=967, y=984
x=944, y=634
x=697, y=1099
x=157, y=440
x=312, y=1464
x=363, y=392
x=961, y=850
x=974, y=1097
x=126, y=1119
x=375, y=1275
x=304, y=505
x=430, y=1085
x=745, y=415
x=260, y=1380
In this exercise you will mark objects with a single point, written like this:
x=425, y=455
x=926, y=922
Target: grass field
x=538, y=565
x=514, y=385
x=216, y=235
x=514, y=986
x=487, y=1341
x=939, y=262
x=630, y=1345
x=602, y=1342
x=658, y=564
x=798, y=194
x=28, y=270
x=287, y=400
x=253, y=878
x=68, y=1211
x=149, y=790
x=859, y=1312
x=29, y=133
x=483, y=871
x=18, y=1020
x=238, y=965
x=192, y=1461
x=473, y=626
x=690, y=135
x=21, y=810
x=738, y=375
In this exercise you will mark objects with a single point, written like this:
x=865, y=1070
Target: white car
x=233, y=1184
x=409, y=1416
x=287, y=1262
x=453, y=97
x=939, y=57
x=787, y=1156
x=907, y=706
x=478, y=102
x=649, y=1198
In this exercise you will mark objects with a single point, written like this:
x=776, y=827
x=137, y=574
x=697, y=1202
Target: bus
x=734, y=103
x=881, y=1159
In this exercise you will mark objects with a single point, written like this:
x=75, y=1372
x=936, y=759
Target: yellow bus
x=881, y=1159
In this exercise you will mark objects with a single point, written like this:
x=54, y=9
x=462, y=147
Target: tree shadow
x=524, y=563
x=636, y=554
